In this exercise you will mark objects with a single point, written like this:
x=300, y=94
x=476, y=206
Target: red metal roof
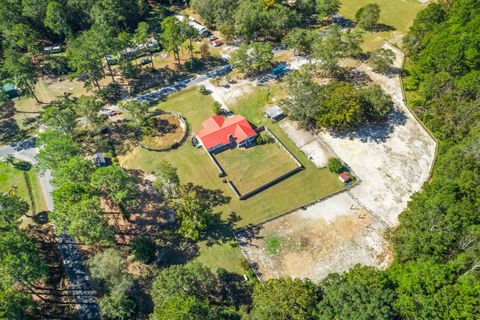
x=344, y=177
x=217, y=130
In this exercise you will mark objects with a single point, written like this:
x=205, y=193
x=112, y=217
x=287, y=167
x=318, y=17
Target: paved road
x=87, y=304
x=180, y=85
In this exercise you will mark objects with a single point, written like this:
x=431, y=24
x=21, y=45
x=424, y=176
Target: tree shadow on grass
x=378, y=132
x=221, y=231
x=175, y=248
x=380, y=27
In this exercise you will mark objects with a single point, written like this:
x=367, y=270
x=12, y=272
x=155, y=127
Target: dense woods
x=436, y=272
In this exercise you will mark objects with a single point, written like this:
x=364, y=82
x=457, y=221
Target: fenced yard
x=249, y=169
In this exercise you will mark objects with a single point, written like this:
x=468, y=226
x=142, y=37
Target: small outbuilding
x=275, y=113
x=10, y=90
x=99, y=160
x=344, y=177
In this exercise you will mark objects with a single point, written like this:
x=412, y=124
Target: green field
x=18, y=180
x=194, y=166
x=398, y=14
x=251, y=168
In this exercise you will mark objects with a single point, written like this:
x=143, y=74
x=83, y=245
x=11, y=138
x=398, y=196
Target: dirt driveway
x=392, y=160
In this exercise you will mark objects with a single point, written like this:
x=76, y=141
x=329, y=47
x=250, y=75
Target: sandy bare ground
x=331, y=236
x=392, y=159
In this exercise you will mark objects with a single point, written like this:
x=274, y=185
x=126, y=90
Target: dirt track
x=392, y=159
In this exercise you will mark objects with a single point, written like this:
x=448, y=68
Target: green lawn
x=11, y=178
x=194, y=166
x=398, y=14
x=251, y=168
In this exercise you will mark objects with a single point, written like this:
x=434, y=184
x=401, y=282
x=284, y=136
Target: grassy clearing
x=251, y=168
x=397, y=14
x=15, y=179
x=273, y=244
x=48, y=92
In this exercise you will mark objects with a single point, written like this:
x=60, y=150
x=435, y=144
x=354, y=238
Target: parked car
x=216, y=43
x=145, y=61
x=212, y=37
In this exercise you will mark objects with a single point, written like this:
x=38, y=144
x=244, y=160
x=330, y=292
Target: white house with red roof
x=219, y=132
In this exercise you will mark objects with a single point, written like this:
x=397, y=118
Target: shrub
x=273, y=244
x=217, y=108
x=144, y=249
x=203, y=90
x=335, y=165
x=259, y=139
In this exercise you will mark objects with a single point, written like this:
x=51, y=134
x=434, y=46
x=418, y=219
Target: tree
x=87, y=108
x=115, y=185
x=12, y=208
x=375, y=103
x=136, y=109
x=107, y=269
x=335, y=165
x=177, y=307
x=116, y=14
x=117, y=306
x=367, y=16
x=382, y=59
x=248, y=19
x=205, y=8
x=189, y=280
x=56, y=19
x=369, y=292
x=303, y=97
x=217, y=108
x=167, y=182
x=193, y=215
x=300, y=40
x=191, y=34
x=82, y=219
x=172, y=36
x=16, y=304
x=327, y=8
x=20, y=262
x=144, y=249
x=285, y=298
x=61, y=116
x=142, y=37
x=22, y=37
x=424, y=23
x=85, y=55
x=329, y=51
x=21, y=70
x=254, y=58
x=77, y=170
x=340, y=106
x=55, y=149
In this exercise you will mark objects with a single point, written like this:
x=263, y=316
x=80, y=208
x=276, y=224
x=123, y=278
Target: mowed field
x=11, y=178
x=398, y=14
x=251, y=168
x=194, y=165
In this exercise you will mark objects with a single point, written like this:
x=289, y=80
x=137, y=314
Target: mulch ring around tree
x=162, y=131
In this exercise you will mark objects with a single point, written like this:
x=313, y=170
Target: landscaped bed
x=162, y=131
x=249, y=169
